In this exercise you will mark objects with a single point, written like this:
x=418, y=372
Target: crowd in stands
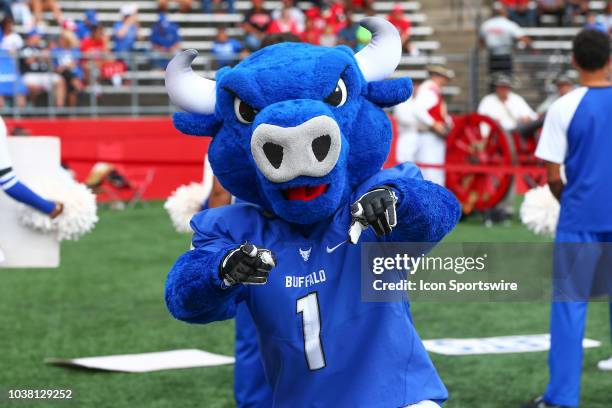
x=326, y=24
x=84, y=52
x=529, y=13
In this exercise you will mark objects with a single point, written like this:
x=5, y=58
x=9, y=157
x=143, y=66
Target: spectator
x=348, y=35
x=564, y=85
x=297, y=15
x=184, y=5
x=522, y=13
x=39, y=6
x=362, y=5
x=94, y=49
x=84, y=28
x=284, y=24
x=65, y=60
x=499, y=34
x=506, y=107
x=311, y=34
x=256, y=23
x=594, y=22
x=125, y=32
x=555, y=8
x=11, y=41
x=165, y=39
x=22, y=14
x=11, y=83
x=206, y=5
x=575, y=9
x=328, y=37
x=36, y=68
x=403, y=25
x=225, y=50
x=335, y=16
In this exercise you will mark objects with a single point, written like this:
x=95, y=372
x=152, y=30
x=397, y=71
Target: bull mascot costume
x=299, y=136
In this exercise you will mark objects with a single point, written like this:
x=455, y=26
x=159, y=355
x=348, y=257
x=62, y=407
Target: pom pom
x=540, y=211
x=185, y=202
x=80, y=210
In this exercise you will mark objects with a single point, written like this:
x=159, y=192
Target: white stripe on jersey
x=552, y=146
x=10, y=183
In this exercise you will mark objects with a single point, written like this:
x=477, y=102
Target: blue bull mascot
x=300, y=137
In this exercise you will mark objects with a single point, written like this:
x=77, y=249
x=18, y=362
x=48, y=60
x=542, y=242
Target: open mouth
x=305, y=193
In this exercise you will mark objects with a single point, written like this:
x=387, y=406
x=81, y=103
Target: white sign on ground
x=495, y=345
x=33, y=159
x=147, y=362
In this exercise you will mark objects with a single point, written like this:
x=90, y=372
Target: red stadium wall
x=134, y=145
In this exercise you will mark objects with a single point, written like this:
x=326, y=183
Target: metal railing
x=140, y=90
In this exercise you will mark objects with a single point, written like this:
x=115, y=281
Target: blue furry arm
x=20, y=192
x=426, y=211
x=194, y=292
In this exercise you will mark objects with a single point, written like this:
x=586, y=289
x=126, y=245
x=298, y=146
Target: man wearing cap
x=125, y=32
x=434, y=123
x=37, y=70
x=564, y=84
x=506, y=107
x=84, y=28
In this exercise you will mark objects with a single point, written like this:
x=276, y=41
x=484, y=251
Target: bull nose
x=274, y=154
x=311, y=148
x=320, y=147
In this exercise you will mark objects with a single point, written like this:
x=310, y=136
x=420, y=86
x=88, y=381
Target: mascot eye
x=338, y=96
x=244, y=112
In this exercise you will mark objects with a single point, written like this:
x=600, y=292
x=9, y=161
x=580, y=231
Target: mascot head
x=295, y=126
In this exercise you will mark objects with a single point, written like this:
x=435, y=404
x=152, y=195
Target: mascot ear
x=389, y=92
x=195, y=124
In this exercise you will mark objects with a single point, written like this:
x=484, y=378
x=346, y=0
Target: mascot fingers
x=376, y=209
x=246, y=264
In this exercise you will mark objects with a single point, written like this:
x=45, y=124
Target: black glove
x=246, y=264
x=376, y=208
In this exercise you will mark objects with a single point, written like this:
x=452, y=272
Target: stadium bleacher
x=144, y=85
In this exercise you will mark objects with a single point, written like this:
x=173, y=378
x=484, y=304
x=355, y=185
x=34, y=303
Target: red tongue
x=305, y=193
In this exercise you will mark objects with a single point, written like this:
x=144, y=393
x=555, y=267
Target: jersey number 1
x=308, y=306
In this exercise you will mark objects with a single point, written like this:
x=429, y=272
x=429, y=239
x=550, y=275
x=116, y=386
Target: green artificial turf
x=107, y=298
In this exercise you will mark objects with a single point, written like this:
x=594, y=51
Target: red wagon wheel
x=478, y=140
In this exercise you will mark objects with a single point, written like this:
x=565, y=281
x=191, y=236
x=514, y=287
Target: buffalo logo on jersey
x=295, y=127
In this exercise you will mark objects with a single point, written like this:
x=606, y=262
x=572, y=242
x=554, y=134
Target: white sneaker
x=605, y=365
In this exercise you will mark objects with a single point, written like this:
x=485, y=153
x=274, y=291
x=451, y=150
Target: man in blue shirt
x=577, y=134
x=225, y=50
x=125, y=32
x=165, y=39
x=83, y=28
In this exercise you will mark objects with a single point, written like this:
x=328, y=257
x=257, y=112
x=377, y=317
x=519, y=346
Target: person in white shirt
x=408, y=129
x=499, y=35
x=506, y=107
x=434, y=123
x=11, y=41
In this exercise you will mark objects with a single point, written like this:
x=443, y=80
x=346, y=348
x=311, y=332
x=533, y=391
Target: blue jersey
x=578, y=133
x=321, y=345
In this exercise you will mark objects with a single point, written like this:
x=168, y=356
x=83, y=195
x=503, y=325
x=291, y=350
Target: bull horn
x=382, y=55
x=188, y=90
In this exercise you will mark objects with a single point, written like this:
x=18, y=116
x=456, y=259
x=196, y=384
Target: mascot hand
x=376, y=208
x=246, y=264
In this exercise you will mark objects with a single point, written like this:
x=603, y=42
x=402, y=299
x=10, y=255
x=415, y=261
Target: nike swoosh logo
x=330, y=250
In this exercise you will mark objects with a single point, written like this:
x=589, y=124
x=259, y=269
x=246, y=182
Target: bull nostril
x=320, y=147
x=274, y=154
